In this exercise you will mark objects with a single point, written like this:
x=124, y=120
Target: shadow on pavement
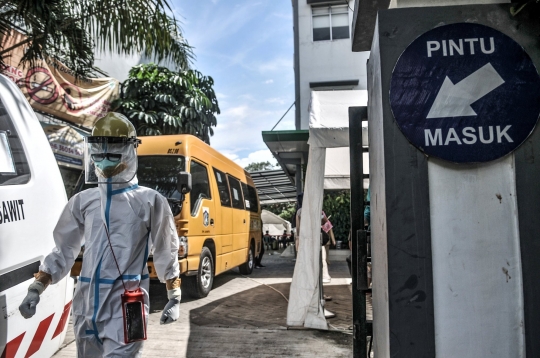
x=252, y=322
x=264, y=307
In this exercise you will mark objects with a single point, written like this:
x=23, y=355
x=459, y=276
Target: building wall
x=323, y=61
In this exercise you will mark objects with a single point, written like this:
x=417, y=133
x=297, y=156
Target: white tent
x=328, y=128
x=274, y=224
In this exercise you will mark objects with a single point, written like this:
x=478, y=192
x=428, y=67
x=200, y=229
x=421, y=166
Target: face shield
x=110, y=159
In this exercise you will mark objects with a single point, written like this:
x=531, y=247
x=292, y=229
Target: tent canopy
x=329, y=117
x=274, y=224
x=328, y=128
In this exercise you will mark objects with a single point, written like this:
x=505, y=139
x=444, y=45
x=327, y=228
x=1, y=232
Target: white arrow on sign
x=454, y=100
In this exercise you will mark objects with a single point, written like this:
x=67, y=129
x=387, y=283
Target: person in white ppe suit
x=136, y=220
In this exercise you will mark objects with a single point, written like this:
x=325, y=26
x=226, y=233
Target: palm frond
x=70, y=31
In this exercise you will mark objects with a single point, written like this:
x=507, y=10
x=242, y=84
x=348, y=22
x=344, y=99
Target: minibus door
x=201, y=205
x=224, y=227
x=240, y=215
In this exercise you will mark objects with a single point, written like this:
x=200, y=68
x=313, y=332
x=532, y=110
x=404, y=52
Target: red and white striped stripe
x=12, y=347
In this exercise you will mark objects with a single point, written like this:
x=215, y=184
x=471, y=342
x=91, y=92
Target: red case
x=132, y=307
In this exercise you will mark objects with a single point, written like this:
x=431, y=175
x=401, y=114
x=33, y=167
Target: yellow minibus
x=218, y=221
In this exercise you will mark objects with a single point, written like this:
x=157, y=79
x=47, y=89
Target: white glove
x=28, y=305
x=171, y=312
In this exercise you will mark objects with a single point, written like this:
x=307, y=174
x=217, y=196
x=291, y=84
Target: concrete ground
x=246, y=317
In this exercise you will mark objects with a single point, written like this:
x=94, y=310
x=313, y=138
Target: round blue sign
x=465, y=93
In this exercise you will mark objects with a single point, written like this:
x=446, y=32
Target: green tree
x=160, y=101
x=70, y=31
x=258, y=166
x=338, y=205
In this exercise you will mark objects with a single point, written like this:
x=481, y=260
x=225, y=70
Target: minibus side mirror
x=183, y=182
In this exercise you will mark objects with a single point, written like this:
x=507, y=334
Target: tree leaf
x=168, y=106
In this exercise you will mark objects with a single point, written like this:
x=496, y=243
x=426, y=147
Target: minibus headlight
x=182, y=247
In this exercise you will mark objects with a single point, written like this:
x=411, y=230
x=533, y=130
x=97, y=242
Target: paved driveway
x=246, y=317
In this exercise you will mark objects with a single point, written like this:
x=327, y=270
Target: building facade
x=323, y=60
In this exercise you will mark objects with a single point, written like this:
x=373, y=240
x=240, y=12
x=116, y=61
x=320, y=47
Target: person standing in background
x=259, y=257
x=327, y=238
x=367, y=212
x=297, y=216
x=284, y=238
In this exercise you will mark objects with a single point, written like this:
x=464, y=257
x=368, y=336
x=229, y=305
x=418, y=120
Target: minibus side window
x=236, y=193
x=223, y=188
x=14, y=167
x=200, y=188
x=247, y=200
x=253, y=202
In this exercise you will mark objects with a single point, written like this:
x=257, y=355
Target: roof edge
x=285, y=136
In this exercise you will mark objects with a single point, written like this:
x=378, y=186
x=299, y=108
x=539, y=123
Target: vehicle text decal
x=11, y=210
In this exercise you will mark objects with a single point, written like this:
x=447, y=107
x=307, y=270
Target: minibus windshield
x=158, y=172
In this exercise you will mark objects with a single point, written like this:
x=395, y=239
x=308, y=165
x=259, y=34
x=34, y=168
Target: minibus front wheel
x=199, y=286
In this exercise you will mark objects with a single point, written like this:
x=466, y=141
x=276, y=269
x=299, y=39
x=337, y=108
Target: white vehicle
x=32, y=196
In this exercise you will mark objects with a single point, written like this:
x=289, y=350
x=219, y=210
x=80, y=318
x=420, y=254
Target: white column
x=477, y=280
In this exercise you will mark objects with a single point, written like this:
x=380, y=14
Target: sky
x=247, y=47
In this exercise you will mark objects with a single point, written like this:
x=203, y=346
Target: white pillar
x=477, y=279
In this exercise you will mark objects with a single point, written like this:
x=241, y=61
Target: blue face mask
x=105, y=163
x=108, y=168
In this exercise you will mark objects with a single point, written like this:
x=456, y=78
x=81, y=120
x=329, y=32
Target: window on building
x=201, y=187
x=330, y=23
x=14, y=167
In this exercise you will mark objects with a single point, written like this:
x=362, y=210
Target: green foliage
x=258, y=166
x=338, y=204
x=70, y=30
x=335, y=203
x=159, y=101
x=284, y=210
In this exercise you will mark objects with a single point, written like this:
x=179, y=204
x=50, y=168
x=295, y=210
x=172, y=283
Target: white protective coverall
x=139, y=221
